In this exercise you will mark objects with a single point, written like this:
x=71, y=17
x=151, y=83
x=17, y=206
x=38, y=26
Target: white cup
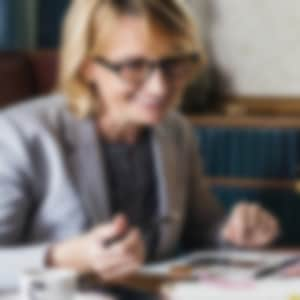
x=52, y=284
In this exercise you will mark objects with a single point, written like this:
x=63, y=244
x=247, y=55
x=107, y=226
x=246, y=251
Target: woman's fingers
x=116, y=264
x=256, y=235
x=241, y=223
x=266, y=229
x=117, y=273
x=93, y=255
x=250, y=226
x=255, y=217
x=121, y=258
x=111, y=230
x=235, y=228
x=109, y=262
x=132, y=244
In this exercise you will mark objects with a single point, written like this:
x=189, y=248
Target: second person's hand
x=250, y=226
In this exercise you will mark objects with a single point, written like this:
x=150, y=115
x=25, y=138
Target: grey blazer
x=52, y=182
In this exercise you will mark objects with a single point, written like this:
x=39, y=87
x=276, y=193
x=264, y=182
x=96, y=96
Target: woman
x=83, y=173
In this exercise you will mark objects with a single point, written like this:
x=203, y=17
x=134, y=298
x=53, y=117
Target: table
x=154, y=284
x=147, y=284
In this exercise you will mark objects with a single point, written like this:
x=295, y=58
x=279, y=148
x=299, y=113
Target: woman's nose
x=157, y=83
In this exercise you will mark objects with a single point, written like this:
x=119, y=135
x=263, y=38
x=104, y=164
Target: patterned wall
x=254, y=42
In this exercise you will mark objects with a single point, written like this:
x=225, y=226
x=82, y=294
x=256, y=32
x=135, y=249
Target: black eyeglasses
x=137, y=70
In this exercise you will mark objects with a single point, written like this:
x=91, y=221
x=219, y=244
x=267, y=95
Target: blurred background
x=245, y=106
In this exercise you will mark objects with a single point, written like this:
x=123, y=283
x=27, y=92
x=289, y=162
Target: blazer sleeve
x=16, y=201
x=204, y=213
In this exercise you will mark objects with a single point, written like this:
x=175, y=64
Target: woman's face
x=130, y=89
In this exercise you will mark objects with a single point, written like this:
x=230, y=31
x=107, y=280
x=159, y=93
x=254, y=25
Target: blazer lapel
x=89, y=171
x=169, y=191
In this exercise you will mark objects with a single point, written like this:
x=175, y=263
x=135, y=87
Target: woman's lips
x=152, y=104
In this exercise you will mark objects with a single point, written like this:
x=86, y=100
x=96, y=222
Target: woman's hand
x=89, y=254
x=250, y=226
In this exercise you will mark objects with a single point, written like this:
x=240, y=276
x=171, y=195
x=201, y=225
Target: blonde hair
x=82, y=28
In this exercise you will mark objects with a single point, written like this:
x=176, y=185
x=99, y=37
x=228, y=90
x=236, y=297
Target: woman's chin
x=150, y=119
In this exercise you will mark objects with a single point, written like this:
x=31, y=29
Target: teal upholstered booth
x=266, y=157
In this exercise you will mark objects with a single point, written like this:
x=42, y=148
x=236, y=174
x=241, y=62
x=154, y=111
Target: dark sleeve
x=204, y=213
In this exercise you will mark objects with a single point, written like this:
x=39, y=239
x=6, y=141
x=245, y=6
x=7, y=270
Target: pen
x=149, y=228
x=276, y=268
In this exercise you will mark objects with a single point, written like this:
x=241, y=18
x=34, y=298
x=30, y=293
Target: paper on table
x=229, y=281
x=263, y=290
x=261, y=259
